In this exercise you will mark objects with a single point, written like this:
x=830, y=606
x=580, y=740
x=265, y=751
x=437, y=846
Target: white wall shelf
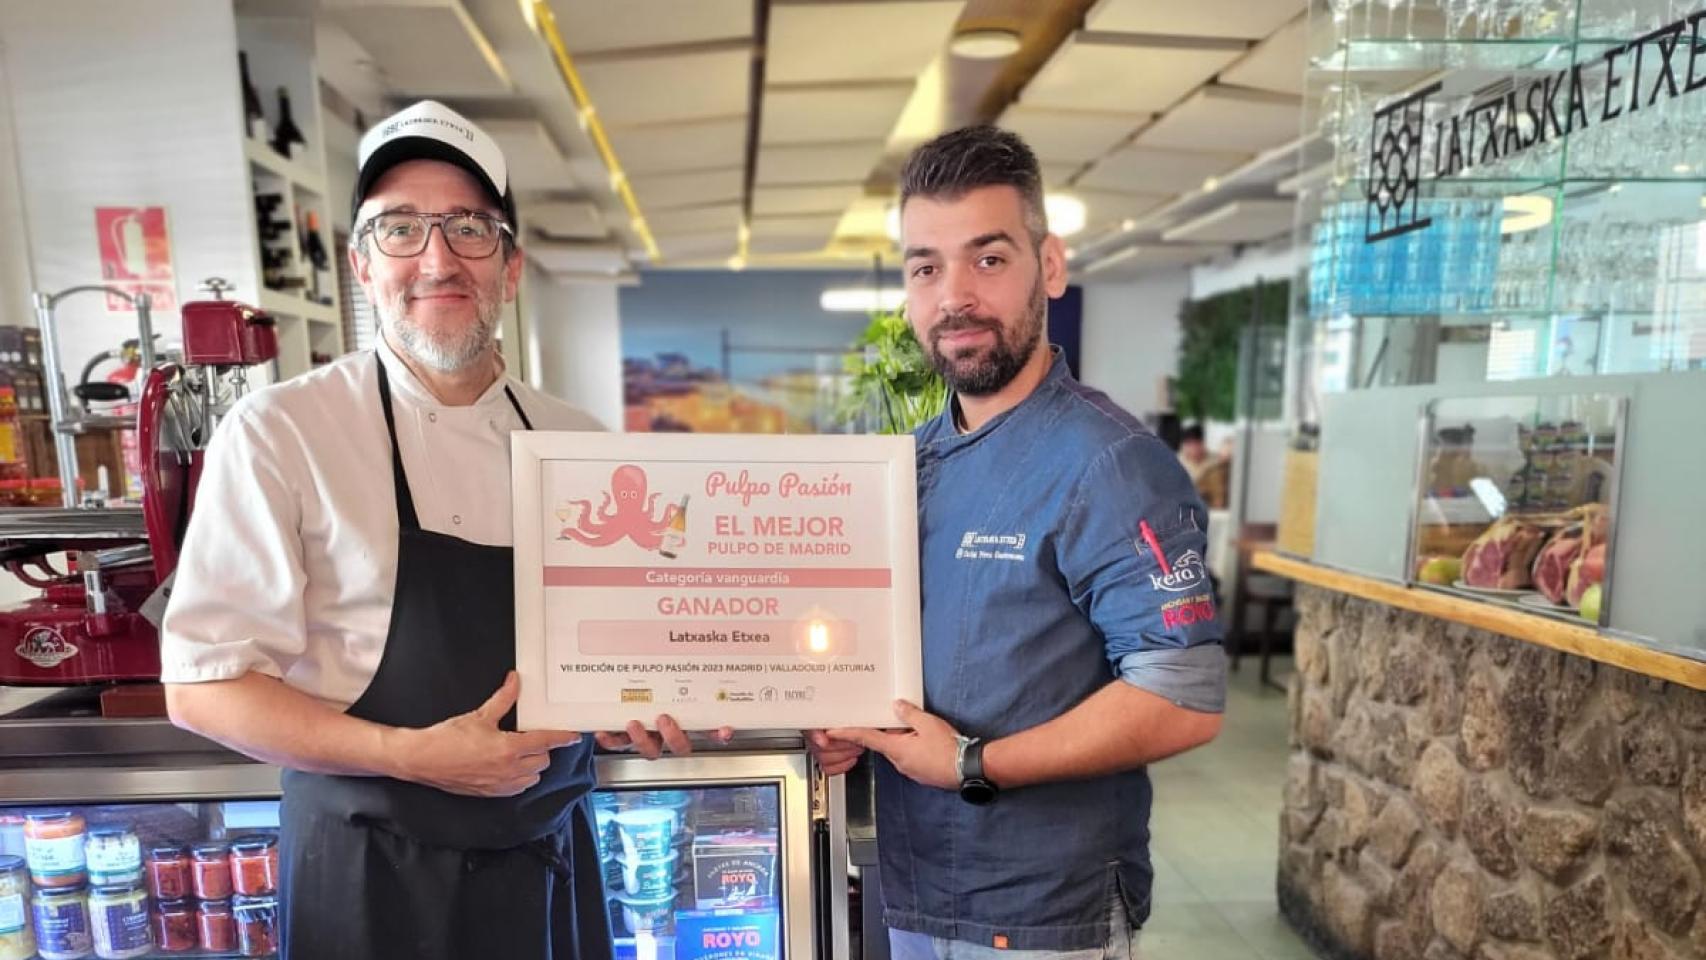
x=296, y=172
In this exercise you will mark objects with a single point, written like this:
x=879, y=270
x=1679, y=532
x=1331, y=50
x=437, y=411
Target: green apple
x=1590, y=603
x=1443, y=571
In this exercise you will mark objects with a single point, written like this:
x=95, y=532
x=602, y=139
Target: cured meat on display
x=1503, y=557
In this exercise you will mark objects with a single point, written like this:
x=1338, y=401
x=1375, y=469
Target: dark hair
x=963, y=160
x=1192, y=432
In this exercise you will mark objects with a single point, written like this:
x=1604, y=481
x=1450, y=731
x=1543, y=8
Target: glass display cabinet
x=1508, y=242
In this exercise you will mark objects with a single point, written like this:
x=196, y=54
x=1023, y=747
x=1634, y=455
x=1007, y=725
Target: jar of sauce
x=215, y=926
x=169, y=872
x=113, y=856
x=61, y=916
x=174, y=926
x=53, y=844
x=17, y=939
x=211, y=870
x=254, y=865
x=257, y=925
x=118, y=920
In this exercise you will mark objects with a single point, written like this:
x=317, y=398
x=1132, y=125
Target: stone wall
x=1457, y=795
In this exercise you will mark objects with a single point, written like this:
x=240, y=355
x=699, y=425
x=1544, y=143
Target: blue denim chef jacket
x=1037, y=585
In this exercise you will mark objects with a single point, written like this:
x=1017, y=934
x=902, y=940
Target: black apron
x=375, y=868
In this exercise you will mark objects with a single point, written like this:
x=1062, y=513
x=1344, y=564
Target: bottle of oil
x=675, y=537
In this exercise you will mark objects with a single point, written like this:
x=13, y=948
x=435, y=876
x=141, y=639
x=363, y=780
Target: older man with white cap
x=344, y=603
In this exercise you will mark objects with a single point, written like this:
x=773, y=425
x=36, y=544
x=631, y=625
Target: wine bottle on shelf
x=288, y=134
x=314, y=250
x=254, y=120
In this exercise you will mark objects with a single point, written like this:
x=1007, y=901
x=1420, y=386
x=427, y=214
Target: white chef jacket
x=290, y=559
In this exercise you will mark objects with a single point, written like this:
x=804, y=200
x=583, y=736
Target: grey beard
x=445, y=357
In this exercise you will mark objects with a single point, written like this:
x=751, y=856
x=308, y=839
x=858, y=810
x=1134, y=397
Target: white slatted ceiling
x=668, y=88
x=840, y=162
x=1126, y=74
x=1147, y=170
x=1077, y=136
x=1241, y=221
x=534, y=159
x=697, y=189
x=603, y=25
x=1248, y=19
x=1276, y=63
x=714, y=216
x=440, y=53
x=819, y=114
x=1231, y=118
x=891, y=40
x=674, y=147
x=795, y=201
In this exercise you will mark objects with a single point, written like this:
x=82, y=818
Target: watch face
x=977, y=792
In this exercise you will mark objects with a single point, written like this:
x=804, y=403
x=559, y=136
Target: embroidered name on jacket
x=990, y=546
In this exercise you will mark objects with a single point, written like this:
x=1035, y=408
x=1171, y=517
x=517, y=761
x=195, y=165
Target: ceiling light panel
x=590, y=27
x=1247, y=19
x=1277, y=63
x=1227, y=118
x=606, y=258
x=818, y=114
x=1106, y=206
x=535, y=162
x=818, y=163
x=713, y=246
x=829, y=199
x=440, y=53
x=814, y=43
x=1147, y=170
x=571, y=218
x=1119, y=74
x=1242, y=221
x=1075, y=136
x=696, y=189
x=677, y=147
x=706, y=219
x=680, y=86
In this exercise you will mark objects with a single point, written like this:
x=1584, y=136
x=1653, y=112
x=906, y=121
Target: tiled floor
x=1215, y=837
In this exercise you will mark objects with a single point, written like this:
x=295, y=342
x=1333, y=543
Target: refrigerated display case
x=734, y=852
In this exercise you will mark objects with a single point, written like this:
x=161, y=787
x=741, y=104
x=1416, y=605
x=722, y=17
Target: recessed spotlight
x=986, y=43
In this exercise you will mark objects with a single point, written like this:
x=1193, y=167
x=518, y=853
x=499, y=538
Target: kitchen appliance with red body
x=87, y=625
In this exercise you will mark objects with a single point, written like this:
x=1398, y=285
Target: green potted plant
x=893, y=385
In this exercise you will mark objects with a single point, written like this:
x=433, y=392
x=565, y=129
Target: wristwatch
x=975, y=788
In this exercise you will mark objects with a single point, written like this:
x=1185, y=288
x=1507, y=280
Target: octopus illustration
x=625, y=512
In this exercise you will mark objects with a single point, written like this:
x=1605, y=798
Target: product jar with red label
x=216, y=927
x=211, y=870
x=169, y=872
x=254, y=865
x=174, y=926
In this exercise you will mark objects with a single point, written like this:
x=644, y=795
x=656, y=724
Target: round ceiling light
x=1066, y=213
x=985, y=43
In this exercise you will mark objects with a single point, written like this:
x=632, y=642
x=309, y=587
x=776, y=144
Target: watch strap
x=971, y=760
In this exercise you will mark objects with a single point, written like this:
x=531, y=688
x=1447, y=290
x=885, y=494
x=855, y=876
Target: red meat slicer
x=87, y=626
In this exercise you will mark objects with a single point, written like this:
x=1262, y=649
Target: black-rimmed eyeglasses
x=472, y=236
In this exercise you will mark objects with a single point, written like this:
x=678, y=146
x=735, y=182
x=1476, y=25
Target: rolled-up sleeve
x=237, y=598
x=1133, y=554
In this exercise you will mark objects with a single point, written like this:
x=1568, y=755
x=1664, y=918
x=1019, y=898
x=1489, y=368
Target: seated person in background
x=1210, y=473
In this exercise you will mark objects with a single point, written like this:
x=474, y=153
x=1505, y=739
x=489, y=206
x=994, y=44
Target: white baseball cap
x=429, y=130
